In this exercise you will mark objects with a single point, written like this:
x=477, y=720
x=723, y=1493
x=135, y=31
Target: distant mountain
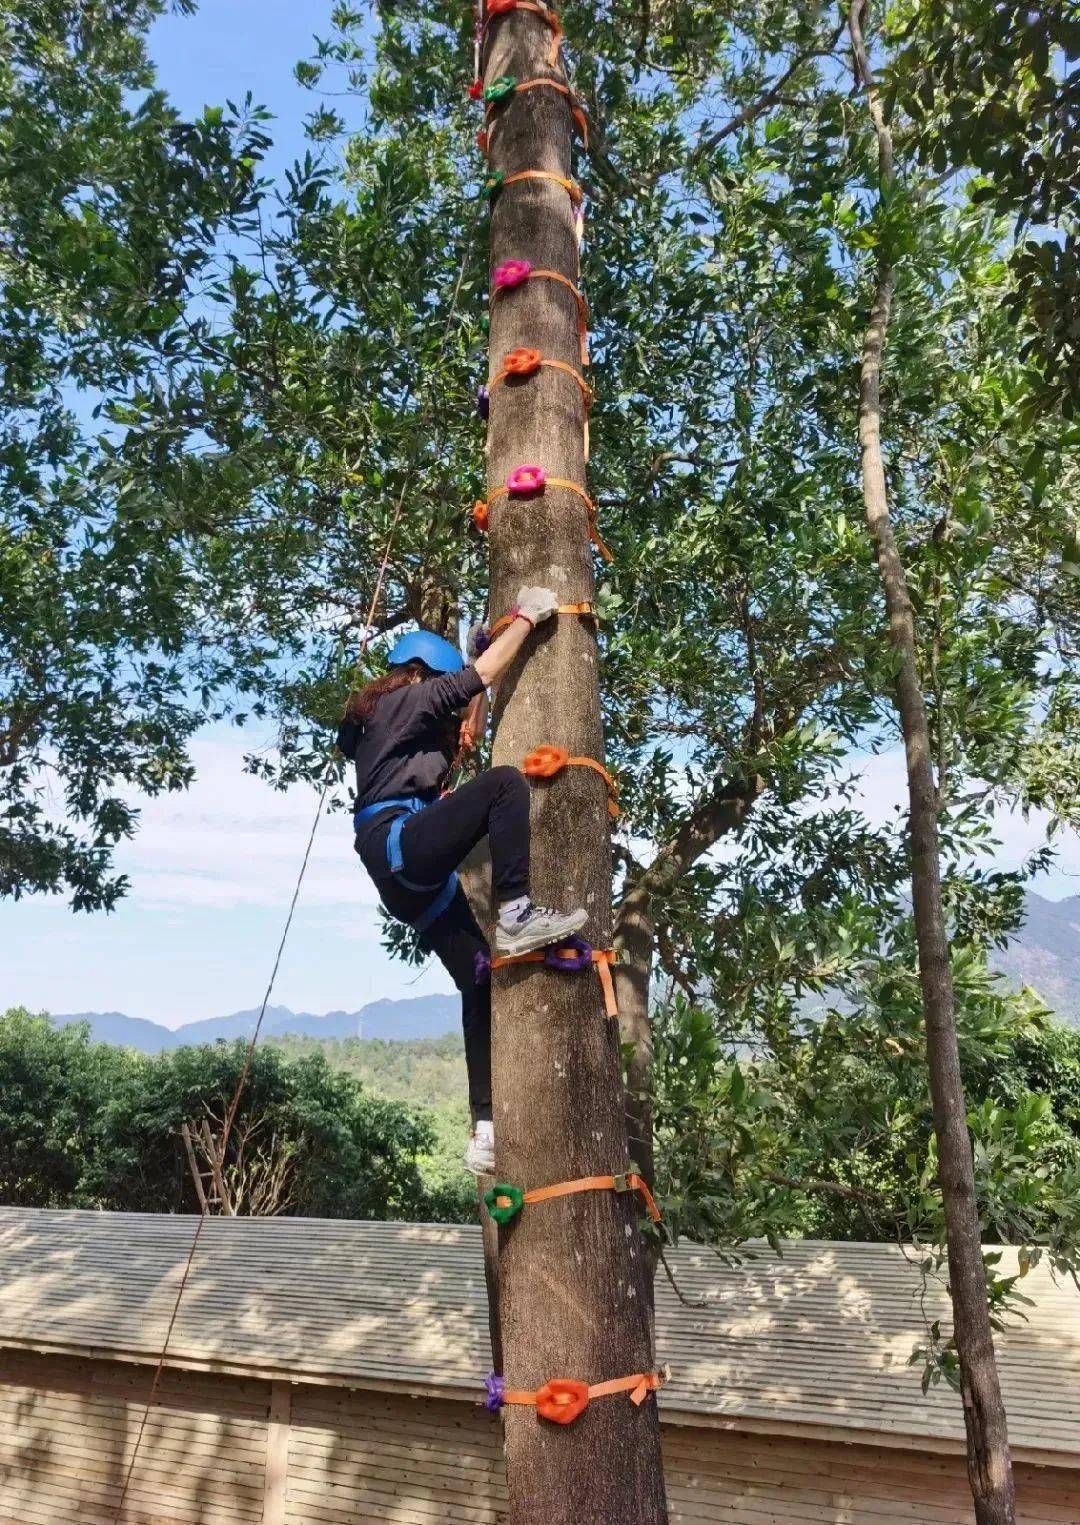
x=125, y=1032
x=425, y=1016
x=1045, y=954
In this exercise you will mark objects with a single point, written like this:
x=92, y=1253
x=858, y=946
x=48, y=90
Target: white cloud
x=232, y=841
x=882, y=791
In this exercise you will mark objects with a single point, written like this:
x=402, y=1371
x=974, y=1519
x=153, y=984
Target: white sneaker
x=480, y=1155
x=537, y=926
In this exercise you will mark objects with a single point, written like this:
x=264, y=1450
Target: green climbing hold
x=500, y=88
x=494, y=181
x=503, y=1201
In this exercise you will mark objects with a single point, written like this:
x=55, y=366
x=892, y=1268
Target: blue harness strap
x=442, y=900
x=407, y=806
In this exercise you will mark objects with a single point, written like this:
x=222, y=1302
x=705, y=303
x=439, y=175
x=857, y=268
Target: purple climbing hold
x=569, y=956
x=481, y=967
x=483, y=401
x=494, y=1387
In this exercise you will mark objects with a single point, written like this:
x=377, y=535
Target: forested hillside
x=1045, y=954
x=425, y=1072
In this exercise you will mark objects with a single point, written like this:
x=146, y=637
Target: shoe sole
x=540, y=940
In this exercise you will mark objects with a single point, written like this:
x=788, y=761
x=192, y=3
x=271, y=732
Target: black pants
x=434, y=843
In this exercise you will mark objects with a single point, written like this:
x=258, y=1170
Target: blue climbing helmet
x=427, y=647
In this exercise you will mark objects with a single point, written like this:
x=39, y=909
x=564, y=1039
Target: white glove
x=536, y=604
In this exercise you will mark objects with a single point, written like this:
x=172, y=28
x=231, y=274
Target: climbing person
x=402, y=731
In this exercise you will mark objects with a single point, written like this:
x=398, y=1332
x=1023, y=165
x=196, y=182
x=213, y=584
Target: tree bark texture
x=989, y=1461
x=571, y=1271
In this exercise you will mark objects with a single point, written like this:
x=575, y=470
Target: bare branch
x=771, y=97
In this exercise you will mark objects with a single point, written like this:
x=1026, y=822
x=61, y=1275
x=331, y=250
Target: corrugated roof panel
x=821, y=1337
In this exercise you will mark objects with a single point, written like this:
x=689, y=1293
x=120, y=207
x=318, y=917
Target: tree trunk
x=635, y=942
x=571, y=1270
x=490, y=1230
x=989, y=1461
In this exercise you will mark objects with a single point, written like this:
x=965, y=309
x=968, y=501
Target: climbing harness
x=548, y=761
x=405, y=807
x=562, y=1400
x=568, y=957
x=504, y=1201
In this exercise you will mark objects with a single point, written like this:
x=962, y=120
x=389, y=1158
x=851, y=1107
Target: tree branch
x=750, y=113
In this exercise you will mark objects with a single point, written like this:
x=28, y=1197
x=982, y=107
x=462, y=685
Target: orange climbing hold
x=548, y=761
x=562, y=1399
x=521, y=362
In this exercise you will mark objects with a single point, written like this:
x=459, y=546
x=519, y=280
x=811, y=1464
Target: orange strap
x=550, y=84
x=596, y=1183
x=562, y=1400
x=586, y=610
x=582, y=305
x=550, y=19
x=553, y=365
x=482, y=511
x=547, y=761
x=571, y=187
x=603, y=958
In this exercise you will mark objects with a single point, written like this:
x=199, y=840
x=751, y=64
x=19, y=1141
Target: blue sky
x=213, y=870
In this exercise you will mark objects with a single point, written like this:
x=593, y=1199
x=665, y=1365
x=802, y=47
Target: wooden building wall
x=67, y=1428
x=227, y=1451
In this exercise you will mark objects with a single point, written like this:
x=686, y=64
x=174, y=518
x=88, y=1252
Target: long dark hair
x=360, y=705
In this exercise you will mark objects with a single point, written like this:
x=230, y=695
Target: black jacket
x=408, y=744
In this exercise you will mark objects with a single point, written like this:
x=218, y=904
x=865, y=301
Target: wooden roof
x=815, y=1343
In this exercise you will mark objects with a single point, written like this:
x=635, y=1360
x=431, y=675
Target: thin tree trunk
x=635, y=943
x=989, y=1461
x=571, y=1271
x=490, y=1230
x=193, y=1166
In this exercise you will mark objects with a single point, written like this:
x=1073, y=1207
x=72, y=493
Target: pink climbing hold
x=524, y=480
x=511, y=273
